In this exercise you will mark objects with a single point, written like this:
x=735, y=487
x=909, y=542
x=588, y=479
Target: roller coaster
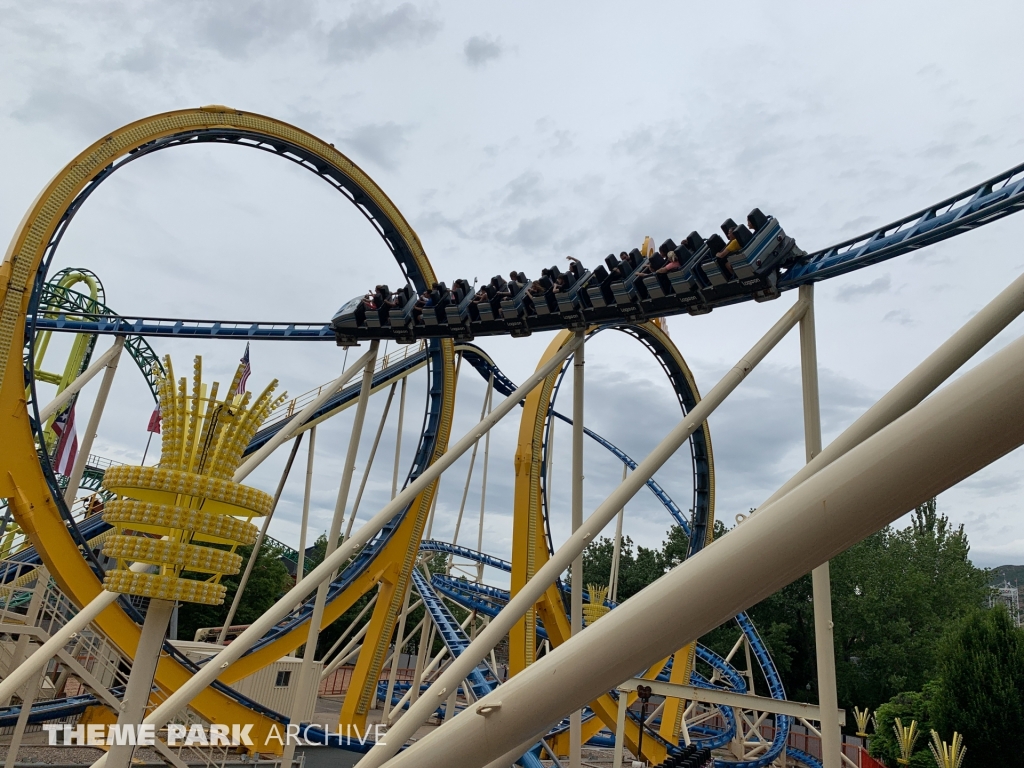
x=53, y=537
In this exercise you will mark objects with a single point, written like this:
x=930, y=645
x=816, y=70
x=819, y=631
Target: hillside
x=1011, y=573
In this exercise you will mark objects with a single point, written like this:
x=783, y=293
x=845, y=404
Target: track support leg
x=576, y=617
x=140, y=683
x=828, y=699
x=306, y=670
x=94, y=424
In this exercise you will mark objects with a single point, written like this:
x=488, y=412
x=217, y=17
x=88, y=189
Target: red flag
x=67, y=442
x=246, y=370
x=154, y=421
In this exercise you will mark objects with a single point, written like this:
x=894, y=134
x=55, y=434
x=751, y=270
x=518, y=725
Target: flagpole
x=148, y=441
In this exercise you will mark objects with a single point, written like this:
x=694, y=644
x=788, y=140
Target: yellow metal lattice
x=163, y=511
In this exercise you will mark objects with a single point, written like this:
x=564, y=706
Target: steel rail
x=974, y=207
x=21, y=315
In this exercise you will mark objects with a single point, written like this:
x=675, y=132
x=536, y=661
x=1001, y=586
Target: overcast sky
x=511, y=135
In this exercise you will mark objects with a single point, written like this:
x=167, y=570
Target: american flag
x=246, y=370
x=67, y=442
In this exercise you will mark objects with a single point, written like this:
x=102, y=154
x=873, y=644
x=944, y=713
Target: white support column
x=613, y=575
x=348, y=630
x=828, y=699
x=300, y=568
x=140, y=682
x=433, y=507
x=21, y=646
x=620, y=730
x=94, y=424
x=31, y=688
x=422, y=655
x=532, y=591
x=576, y=585
x=254, y=555
x=397, y=655
x=351, y=648
x=98, y=365
x=398, y=438
x=483, y=487
x=469, y=479
x=28, y=698
x=369, y=461
x=306, y=669
x=323, y=572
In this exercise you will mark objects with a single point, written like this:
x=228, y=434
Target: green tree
x=636, y=569
x=981, y=688
x=334, y=630
x=893, y=595
x=785, y=621
x=907, y=706
x=267, y=582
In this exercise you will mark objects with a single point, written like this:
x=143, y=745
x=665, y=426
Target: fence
x=289, y=408
x=336, y=683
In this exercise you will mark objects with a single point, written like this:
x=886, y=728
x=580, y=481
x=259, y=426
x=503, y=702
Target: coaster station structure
x=912, y=444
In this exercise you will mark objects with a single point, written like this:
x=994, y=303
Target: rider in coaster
x=425, y=301
x=731, y=247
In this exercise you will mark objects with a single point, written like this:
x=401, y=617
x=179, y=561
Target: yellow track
x=23, y=483
x=22, y=480
x=530, y=552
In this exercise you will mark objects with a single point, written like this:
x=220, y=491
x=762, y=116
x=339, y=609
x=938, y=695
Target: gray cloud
x=564, y=143
x=758, y=432
x=380, y=142
x=854, y=292
x=481, y=50
x=369, y=29
x=144, y=59
x=858, y=223
x=236, y=29
x=969, y=168
x=60, y=101
x=532, y=232
x=898, y=316
x=525, y=189
x=992, y=483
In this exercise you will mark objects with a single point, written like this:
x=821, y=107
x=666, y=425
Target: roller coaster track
x=483, y=679
x=27, y=307
x=56, y=302
x=982, y=204
x=449, y=629
x=38, y=507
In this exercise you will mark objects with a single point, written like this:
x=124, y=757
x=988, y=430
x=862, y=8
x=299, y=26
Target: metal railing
x=289, y=408
x=87, y=664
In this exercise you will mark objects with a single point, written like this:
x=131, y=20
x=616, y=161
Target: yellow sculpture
x=948, y=755
x=862, y=716
x=596, y=608
x=905, y=737
x=190, y=496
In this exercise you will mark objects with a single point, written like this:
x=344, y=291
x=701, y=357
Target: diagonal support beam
x=953, y=434
x=534, y=589
x=216, y=666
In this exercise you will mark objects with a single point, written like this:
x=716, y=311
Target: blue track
x=989, y=201
x=482, y=680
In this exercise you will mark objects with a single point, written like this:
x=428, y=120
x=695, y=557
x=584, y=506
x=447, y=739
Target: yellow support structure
x=672, y=715
x=401, y=554
x=22, y=480
x=529, y=549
